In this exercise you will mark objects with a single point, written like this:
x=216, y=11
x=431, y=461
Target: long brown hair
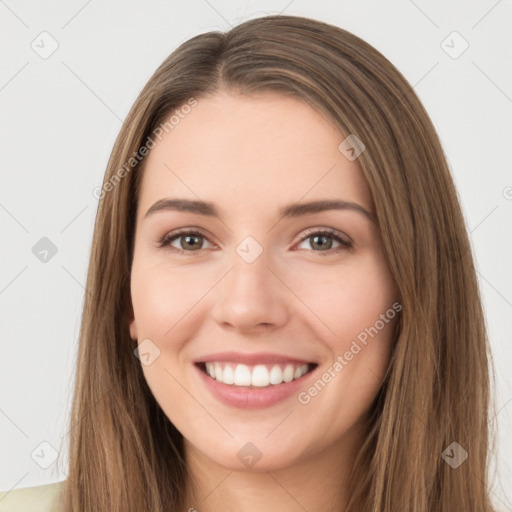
x=125, y=454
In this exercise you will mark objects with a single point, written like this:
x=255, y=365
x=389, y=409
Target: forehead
x=260, y=151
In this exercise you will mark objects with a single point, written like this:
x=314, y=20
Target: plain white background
x=61, y=114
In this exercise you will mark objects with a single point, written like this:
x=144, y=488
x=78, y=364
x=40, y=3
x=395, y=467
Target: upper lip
x=251, y=359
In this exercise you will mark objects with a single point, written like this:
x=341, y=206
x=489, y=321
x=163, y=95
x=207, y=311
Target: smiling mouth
x=255, y=376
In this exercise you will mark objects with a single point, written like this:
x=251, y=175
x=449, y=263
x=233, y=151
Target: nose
x=252, y=296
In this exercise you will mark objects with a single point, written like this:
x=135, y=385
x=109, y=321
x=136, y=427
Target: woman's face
x=258, y=295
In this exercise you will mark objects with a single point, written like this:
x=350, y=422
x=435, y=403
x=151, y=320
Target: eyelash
x=344, y=244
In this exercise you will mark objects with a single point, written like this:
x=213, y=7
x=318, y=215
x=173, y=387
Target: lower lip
x=251, y=398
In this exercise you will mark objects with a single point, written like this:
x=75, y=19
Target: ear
x=133, y=330
x=133, y=324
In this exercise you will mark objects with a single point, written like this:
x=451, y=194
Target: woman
x=224, y=363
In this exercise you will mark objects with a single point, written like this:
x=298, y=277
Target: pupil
x=322, y=237
x=188, y=238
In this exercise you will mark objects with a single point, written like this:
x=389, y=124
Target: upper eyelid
x=185, y=231
x=329, y=231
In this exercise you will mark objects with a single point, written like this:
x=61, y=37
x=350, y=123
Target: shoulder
x=41, y=498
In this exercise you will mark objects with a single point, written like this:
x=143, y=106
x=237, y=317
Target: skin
x=251, y=155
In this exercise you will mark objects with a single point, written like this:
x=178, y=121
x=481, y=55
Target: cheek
x=358, y=309
x=357, y=305
x=162, y=298
x=350, y=301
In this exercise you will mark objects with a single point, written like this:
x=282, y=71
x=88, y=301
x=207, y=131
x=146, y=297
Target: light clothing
x=41, y=498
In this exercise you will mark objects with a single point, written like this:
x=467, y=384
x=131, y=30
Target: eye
x=320, y=238
x=190, y=241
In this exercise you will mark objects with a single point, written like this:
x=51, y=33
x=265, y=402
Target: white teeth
x=217, y=372
x=288, y=373
x=242, y=375
x=260, y=375
x=229, y=375
x=276, y=375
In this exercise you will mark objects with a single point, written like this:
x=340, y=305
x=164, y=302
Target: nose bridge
x=250, y=275
x=249, y=264
x=252, y=294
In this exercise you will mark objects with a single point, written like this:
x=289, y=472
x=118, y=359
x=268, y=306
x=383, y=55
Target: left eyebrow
x=292, y=210
x=299, y=209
